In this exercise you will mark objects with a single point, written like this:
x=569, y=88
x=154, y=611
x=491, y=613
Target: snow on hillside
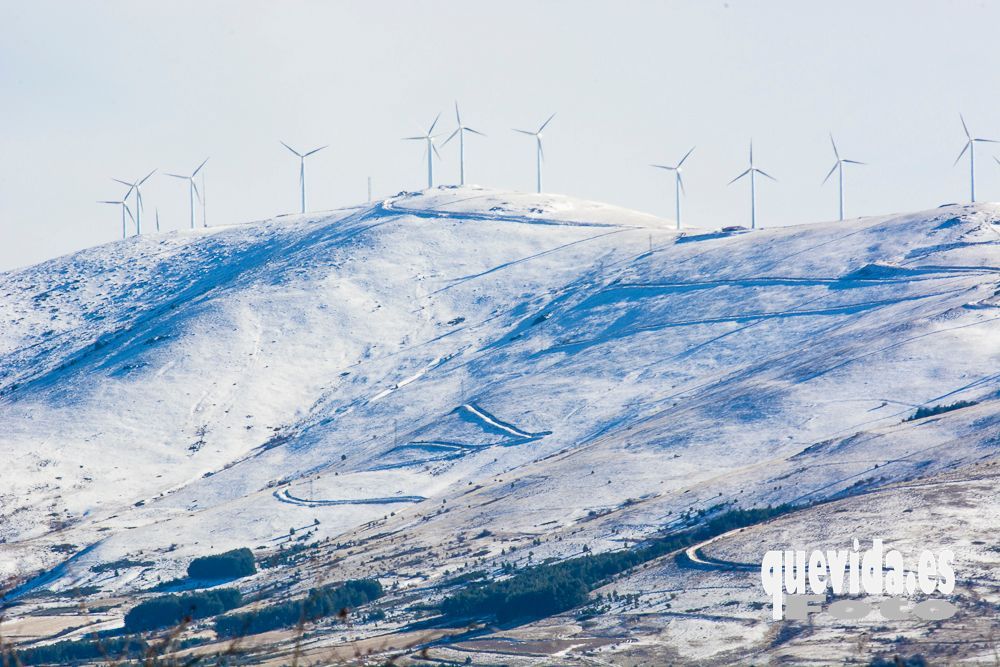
x=132, y=370
x=566, y=373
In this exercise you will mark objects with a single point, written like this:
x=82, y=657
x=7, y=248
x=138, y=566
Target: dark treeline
x=938, y=409
x=170, y=610
x=71, y=652
x=229, y=565
x=552, y=588
x=319, y=603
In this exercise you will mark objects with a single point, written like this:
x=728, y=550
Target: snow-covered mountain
x=564, y=374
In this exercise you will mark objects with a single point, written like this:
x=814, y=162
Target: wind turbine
x=838, y=167
x=970, y=145
x=302, y=169
x=125, y=210
x=538, y=147
x=431, y=149
x=192, y=188
x=137, y=187
x=460, y=131
x=752, y=171
x=678, y=182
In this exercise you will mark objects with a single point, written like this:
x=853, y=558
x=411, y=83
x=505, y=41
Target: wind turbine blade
x=964, y=126
x=194, y=186
x=129, y=211
x=290, y=148
x=739, y=177
x=524, y=132
x=435, y=149
x=117, y=203
x=413, y=138
x=315, y=150
x=766, y=175
x=680, y=181
x=458, y=116
x=147, y=177
x=996, y=159
x=852, y=162
x=832, y=169
x=987, y=141
x=685, y=156
x=177, y=176
x=434, y=124
x=469, y=129
x=118, y=180
x=663, y=166
x=541, y=151
x=129, y=191
x=964, y=148
x=545, y=123
x=450, y=137
x=199, y=168
x=834, y=144
x=138, y=198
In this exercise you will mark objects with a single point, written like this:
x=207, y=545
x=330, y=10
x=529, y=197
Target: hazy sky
x=92, y=90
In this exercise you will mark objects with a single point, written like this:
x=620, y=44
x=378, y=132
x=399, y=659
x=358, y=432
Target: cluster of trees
x=122, y=564
x=89, y=650
x=319, y=603
x=552, y=588
x=938, y=409
x=229, y=565
x=170, y=610
x=738, y=518
x=916, y=660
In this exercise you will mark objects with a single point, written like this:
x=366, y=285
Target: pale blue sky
x=92, y=90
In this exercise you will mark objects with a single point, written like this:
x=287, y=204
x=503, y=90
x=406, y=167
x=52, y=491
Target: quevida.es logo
x=799, y=582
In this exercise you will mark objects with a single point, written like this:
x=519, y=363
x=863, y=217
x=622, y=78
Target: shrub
x=319, y=603
x=168, y=610
x=230, y=565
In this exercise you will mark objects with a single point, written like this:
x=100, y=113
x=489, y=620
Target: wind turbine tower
x=970, y=145
x=838, y=167
x=302, y=170
x=460, y=131
x=431, y=149
x=192, y=188
x=137, y=188
x=125, y=211
x=678, y=182
x=752, y=172
x=539, y=156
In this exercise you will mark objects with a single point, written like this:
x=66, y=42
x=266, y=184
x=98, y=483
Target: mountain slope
x=569, y=375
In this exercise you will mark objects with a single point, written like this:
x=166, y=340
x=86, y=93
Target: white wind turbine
x=192, y=188
x=125, y=211
x=838, y=167
x=431, y=149
x=302, y=169
x=678, y=182
x=752, y=171
x=970, y=145
x=538, y=148
x=460, y=131
x=137, y=188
